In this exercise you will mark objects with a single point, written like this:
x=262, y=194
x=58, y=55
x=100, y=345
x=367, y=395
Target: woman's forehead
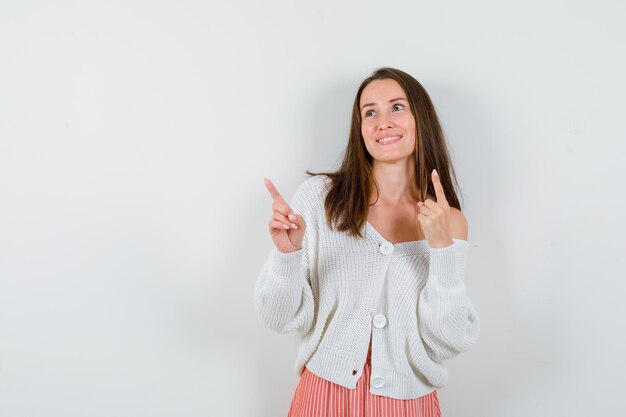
x=381, y=91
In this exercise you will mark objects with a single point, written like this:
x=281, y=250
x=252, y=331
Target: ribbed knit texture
x=330, y=291
x=317, y=397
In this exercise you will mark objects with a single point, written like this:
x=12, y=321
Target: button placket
x=380, y=320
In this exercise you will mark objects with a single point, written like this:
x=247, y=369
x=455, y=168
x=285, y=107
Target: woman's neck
x=395, y=183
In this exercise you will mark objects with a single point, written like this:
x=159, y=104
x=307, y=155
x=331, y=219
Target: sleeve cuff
x=447, y=263
x=287, y=265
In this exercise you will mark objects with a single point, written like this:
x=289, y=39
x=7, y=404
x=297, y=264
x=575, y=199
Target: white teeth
x=389, y=139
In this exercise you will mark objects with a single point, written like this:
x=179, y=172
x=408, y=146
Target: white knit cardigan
x=337, y=290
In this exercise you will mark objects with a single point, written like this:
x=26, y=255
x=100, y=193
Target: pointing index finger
x=274, y=192
x=439, y=192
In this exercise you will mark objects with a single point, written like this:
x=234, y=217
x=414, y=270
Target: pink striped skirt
x=317, y=397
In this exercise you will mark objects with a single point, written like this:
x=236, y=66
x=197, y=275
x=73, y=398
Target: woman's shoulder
x=311, y=191
x=315, y=184
x=319, y=178
x=458, y=224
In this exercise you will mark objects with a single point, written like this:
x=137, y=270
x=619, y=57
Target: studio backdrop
x=134, y=138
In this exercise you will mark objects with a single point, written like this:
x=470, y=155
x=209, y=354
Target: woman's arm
x=283, y=297
x=448, y=322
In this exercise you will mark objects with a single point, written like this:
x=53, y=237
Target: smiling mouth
x=388, y=140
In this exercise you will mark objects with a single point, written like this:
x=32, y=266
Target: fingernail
x=294, y=226
x=292, y=217
x=436, y=173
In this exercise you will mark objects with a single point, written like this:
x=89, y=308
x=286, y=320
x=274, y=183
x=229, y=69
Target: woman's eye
x=397, y=105
x=367, y=113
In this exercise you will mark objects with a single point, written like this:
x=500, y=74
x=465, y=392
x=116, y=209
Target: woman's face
x=385, y=113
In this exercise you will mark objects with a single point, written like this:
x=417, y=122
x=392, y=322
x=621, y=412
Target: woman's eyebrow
x=391, y=101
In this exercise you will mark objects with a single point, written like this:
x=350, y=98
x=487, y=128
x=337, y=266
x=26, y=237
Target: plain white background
x=134, y=138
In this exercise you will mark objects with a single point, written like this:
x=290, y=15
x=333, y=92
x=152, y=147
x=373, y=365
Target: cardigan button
x=386, y=248
x=380, y=321
x=378, y=381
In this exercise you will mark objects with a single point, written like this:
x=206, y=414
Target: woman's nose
x=384, y=122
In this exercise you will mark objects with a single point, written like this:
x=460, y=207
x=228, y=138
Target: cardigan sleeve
x=448, y=322
x=283, y=298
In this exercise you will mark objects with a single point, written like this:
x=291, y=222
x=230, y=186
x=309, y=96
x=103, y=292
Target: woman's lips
x=389, y=140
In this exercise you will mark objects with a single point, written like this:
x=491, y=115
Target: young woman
x=369, y=262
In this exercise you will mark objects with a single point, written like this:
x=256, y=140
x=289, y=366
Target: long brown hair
x=349, y=192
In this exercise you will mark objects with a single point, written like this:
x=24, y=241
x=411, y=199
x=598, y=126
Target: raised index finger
x=439, y=192
x=274, y=192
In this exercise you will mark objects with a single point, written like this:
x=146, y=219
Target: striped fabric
x=317, y=397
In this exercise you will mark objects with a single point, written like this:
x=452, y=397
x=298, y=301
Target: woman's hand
x=286, y=227
x=434, y=216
